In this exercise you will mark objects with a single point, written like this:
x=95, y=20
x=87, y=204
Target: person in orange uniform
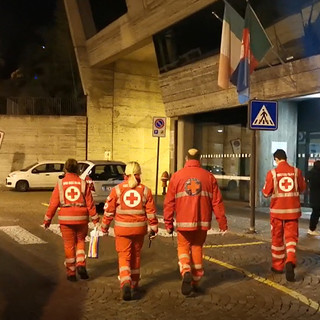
x=73, y=196
x=284, y=185
x=193, y=194
x=132, y=207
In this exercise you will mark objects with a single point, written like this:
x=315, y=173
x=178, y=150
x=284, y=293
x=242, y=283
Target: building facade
x=157, y=58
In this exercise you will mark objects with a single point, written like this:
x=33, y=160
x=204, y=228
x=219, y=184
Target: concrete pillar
x=185, y=139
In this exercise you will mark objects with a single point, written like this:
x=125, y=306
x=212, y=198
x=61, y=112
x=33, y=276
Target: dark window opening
x=107, y=11
x=199, y=35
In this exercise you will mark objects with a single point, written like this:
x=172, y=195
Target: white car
x=104, y=174
x=42, y=174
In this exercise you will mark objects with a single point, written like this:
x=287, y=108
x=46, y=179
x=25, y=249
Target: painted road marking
x=21, y=235
x=296, y=295
x=233, y=244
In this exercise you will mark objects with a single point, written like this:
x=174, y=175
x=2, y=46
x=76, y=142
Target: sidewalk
x=239, y=214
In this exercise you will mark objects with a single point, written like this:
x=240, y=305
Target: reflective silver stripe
x=83, y=187
x=184, y=255
x=145, y=195
x=80, y=252
x=285, y=210
x=60, y=188
x=46, y=218
x=73, y=205
x=122, y=279
x=181, y=194
x=95, y=217
x=70, y=260
x=277, y=248
x=135, y=271
x=185, y=266
x=130, y=224
x=275, y=182
x=70, y=218
x=291, y=250
x=126, y=268
x=80, y=259
x=72, y=268
x=118, y=192
x=109, y=214
x=296, y=178
x=193, y=224
x=130, y=211
x=206, y=194
x=278, y=256
x=291, y=243
x=197, y=266
x=202, y=193
x=284, y=195
x=151, y=215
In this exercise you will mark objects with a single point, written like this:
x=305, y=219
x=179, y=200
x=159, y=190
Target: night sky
x=21, y=22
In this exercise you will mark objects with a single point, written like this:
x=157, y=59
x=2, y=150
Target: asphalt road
x=238, y=283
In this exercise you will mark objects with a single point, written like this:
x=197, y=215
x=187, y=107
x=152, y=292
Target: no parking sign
x=159, y=127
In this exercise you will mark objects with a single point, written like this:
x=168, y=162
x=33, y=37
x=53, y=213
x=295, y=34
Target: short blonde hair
x=132, y=168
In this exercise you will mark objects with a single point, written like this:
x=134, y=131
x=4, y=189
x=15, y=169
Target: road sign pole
x=253, y=184
x=157, y=170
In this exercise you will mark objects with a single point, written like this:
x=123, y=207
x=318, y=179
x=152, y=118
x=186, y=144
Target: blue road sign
x=263, y=115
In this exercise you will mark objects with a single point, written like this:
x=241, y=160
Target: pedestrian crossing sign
x=263, y=115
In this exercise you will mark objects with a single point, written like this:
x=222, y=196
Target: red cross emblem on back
x=131, y=198
x=72, y=193
x=286, y=184
x=192, y=187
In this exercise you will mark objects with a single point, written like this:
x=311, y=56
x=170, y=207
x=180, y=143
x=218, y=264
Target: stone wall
x=35, y=138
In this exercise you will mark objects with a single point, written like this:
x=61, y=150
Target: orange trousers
x=190, y=245
x=129, y=250
x=284, y=241
x=74, y=246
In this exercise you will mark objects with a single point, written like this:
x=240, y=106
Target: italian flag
x=230, y=48
x=255, y=45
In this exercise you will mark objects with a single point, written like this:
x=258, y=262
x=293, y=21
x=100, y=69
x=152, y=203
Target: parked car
x=225, y=182
x=42, y=174
x=105, y=175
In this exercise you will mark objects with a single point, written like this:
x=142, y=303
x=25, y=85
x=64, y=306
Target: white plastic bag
x=94, y=243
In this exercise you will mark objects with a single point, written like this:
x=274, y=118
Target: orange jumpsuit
x=284, y=185
x=74, y=198
x=193, y=194
x=132, y=210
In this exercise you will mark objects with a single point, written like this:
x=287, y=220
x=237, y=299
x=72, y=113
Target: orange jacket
x=74, y=198
x=284, y=185
x=131, y=209
x=193, y=194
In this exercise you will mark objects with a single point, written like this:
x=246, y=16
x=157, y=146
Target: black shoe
x=186, y=287
x=276, y=270
x=126, y=292
x=82, y=271
x=72, y=278
x=290, y=271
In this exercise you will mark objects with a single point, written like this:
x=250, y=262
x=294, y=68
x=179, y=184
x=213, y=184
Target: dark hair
x=316, y=164
x=193, y=154
x=280, y=154
x=71, y=166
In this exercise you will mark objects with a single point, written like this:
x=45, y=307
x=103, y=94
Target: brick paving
x=33, y=284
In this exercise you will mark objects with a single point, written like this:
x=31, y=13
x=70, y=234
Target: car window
x=28, y=167
x=39, y=169
x=54, y=167
x=82, y=167
x=109, y=171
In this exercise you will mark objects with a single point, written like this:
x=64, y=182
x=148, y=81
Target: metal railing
x=42, y=106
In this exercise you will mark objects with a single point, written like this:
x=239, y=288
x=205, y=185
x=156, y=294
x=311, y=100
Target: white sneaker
x=313, y=233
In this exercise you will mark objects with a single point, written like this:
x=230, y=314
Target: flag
x=255, y=45
x=230, y=48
